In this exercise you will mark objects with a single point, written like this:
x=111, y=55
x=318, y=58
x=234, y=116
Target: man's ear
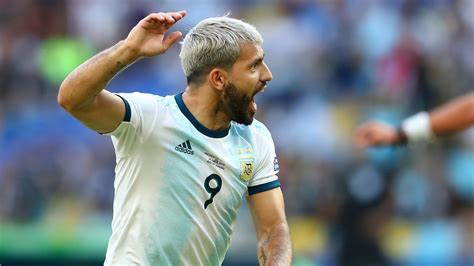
x=218, y=78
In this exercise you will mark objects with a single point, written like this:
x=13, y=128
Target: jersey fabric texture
x=178, y=185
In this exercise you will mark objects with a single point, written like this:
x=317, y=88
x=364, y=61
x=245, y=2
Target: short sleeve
x=265, y=177
x=141, y=111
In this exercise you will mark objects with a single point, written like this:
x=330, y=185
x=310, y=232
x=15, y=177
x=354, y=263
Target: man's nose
x=267, y=74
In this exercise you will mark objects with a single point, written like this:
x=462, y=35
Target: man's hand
x=375, y=134
x=147, y=38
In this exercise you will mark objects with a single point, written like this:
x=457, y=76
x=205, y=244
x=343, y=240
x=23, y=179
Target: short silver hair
x=215, y=42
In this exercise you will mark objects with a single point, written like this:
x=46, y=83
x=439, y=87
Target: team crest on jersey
x=246, y=170
x=247, y=163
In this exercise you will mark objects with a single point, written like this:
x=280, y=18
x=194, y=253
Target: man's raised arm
x=83, y=93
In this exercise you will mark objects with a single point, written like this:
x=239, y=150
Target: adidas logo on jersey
x=185, y=147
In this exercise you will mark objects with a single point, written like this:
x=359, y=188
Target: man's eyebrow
x=258, y=59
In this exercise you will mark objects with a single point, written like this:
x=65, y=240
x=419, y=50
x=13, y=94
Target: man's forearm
x=90, y=78
x=275, y=247
x=453, y=116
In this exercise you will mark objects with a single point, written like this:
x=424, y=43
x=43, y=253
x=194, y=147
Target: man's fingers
x=366, y=136
x=358, y=138
x=177, y=15
x=171, y=39
x=374, y=134
x=168, y=18
x=155, y=17
x=165, y=19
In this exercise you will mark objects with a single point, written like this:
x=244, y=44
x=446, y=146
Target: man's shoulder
x=256, y=129
x=148, y=97
x=259, y=127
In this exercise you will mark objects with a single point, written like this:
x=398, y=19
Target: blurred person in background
x=185, y=161
x=444, y=120
x=449, y=118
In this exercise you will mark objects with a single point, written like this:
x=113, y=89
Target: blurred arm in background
x=449, y=118
x=82, y=93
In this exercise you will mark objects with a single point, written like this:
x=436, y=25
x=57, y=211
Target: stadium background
x=335, y=64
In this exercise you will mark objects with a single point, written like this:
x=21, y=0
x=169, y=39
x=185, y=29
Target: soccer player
x=449, y=118
x=184, y=162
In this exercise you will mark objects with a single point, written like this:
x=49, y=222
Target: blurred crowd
x=336, y=63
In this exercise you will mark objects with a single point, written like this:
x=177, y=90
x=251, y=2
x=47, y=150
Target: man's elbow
x=283, y=228
x=470, y=108
x=65, y=100
x=279, y=228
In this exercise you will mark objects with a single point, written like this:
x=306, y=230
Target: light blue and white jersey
x=178, y=185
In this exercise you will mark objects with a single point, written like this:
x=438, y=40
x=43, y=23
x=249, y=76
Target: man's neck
x=203, y=103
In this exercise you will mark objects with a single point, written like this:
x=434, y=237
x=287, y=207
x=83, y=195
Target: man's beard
x=237, y=105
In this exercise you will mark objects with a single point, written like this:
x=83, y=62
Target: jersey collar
x=195, y=122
